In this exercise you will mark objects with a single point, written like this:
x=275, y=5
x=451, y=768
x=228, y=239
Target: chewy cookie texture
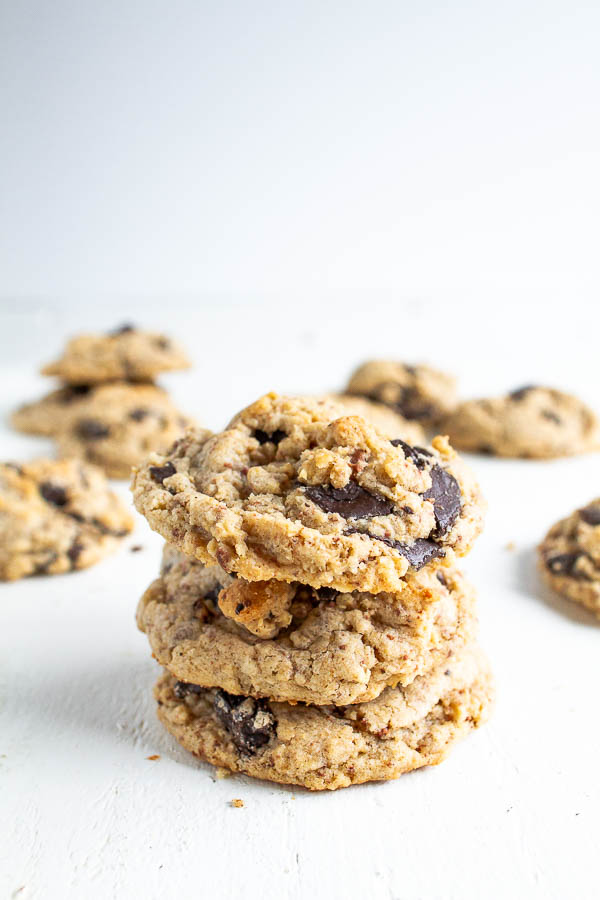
x=569, y=557
x=312, y=624
x=292, y=491
x=55, y=517
x=324, y=748
x=293, y=643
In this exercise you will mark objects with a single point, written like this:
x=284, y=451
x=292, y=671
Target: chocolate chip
x=75, y=551
x=591, y=514
x=263, y=437
x=521, y=393
x=445, y=493
x=53, y=493
x=163, y=343
x=73, y=392
x=250, y=722
x=127, y=328
x=418, y=554
x=563, y=564
x=351, y=501
x=182, y=688
x=551, y=416
x=419, y=455
x=92, y=430
x=138, y=415
x=159, y=473
x=326, y=593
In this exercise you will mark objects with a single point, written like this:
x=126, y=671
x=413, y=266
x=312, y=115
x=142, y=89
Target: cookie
x=45, y=416
x=115, y=426
x=569, y=556
x=124, y=354
x=289, y=491
x=325, y=748
x=386, y=420
x=293, y=643
x=416, y=392
x=55, y=517
x=530, y=422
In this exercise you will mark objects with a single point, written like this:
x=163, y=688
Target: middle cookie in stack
x=320, y=570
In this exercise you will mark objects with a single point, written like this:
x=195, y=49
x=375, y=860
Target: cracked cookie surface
x=115, y=426
x=415, y=392
x=55, y=517
x=126, y=354
x=325, y=748
x=569, y=556
x=289, y=491
x=317, y=646
x=530, y=422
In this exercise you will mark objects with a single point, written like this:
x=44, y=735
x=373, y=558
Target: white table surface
x=514, y=812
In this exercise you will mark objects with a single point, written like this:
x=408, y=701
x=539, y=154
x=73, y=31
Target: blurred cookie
x=569, y=556
x=416, y=392
x=384, y=418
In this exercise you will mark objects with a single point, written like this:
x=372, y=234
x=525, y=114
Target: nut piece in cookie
x=263, y=607
x=569, y=557
x=126, y=353
x=55, y=517
x=530, y=423
x=292, y=491
x=415, y=392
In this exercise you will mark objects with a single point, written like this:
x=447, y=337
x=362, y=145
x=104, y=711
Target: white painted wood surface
x=514, y=812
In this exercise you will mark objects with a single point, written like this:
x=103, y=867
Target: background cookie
x=56, y=516
x=569, y=556
x=416, y=392
x=531, y=422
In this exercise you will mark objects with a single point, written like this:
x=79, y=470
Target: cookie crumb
x=222, y=773
x=136, y=548
x=154, y=756
x=510, y=546
x=237, y=803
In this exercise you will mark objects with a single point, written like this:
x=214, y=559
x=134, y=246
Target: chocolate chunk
x=351, y=501
x=159, y=473
x=419, y=455
x=326, y=593
x=163, y=343
x=53, y=493
x=591, y=514
x=75, y=551
x=92, y=430
x=521, y=393
x=73, y=392
x=445, y=493
x=563, y=564
x=127, y=328
x=551, y=416
x=182, y=688
x=418, y=554
x=250, y=722
x=263, y=437
x=139, y=414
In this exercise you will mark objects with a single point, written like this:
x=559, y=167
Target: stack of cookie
x=309, y=615
x=108, y=410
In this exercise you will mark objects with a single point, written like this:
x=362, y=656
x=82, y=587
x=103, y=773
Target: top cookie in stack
x=315, y=629
x=108, y=410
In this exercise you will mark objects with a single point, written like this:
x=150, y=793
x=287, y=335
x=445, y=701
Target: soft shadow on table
x=530, y=582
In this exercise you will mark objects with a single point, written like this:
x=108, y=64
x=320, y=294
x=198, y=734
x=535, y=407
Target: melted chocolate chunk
x=127, y=328
x=53, y=493
x=591, y=514
x=263, y=437
x=75, y=551
x=182, y=688
x=419, y=455
x=159, y=473
x=521, y=393
x=563, y=564
x=250, y=722
x=418, y=554
x=139, y=414
x=92, y=430
x=351, y=501
x=445, y=493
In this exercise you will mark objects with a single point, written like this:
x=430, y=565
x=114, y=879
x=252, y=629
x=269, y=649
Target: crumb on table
x=237, y=803
x=154, y=756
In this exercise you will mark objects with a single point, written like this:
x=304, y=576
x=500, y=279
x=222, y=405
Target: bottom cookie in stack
x=330, y=747
x=361, y=687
